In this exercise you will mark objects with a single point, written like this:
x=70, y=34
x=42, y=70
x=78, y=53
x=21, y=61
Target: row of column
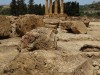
x=55, y=8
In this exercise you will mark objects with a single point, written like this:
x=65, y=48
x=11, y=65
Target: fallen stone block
x=78, y=27
x=49, y=62
x=40, y=38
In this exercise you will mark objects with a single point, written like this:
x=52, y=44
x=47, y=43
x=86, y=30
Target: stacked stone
x=51, y=23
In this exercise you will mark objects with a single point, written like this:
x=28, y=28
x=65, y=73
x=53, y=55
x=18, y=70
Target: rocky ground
x=76, y=54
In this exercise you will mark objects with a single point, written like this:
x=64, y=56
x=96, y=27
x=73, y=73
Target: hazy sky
x=82, y=2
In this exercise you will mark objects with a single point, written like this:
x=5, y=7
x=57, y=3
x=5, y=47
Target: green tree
x=43, y=10
x=21, y=7
x=71, y=8
x=5, y=11
x=36, y=9
x=39, y=9
x=31, y=7
x=13, y=7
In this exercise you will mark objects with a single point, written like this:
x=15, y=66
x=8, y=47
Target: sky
x=82, y=2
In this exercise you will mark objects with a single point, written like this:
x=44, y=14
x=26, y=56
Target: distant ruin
x=49, y=11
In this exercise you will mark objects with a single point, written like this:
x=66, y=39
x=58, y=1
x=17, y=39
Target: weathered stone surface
x=9, y=49
x=98, y=72
x=51, y=21
x=74, y=26
x=13, y=20
x=28, y=22
x=78, y=27
x=40, y=38
x=86, y=23
x=44, y=62
x=5, y=27
x=90, y=48
x=62, y=18
x=95, y=63
x=65, y=25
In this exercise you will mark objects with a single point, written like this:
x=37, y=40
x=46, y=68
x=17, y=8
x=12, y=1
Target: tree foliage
x=31, y=7
x=21, y=7
x=71, y=8
x=13, y=7
x=18, y=7
x=92, y=10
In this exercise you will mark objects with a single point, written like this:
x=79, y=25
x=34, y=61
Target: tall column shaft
x=62, y=7
x=56, y=7
x=50, y=6
x=46, y=7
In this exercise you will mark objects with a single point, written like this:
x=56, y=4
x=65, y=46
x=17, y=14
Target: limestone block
x=40, y=38
x=51, y=21
x=78, y=27
x=65, y=25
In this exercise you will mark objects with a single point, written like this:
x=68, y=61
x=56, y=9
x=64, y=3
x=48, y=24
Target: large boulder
x=26, y=23
x=44, y=62
x=40, y=38
x=5, y=27
x=78, y=27
x=7, y=54
x=8, y=51
x=13, y=20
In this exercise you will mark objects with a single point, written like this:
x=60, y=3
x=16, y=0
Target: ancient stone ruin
x=55, y=7
x=40, y=45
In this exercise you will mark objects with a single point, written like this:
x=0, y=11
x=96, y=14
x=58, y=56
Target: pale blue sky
x=82, y=2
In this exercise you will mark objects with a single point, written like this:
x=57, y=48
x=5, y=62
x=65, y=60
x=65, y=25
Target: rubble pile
x=39, y=45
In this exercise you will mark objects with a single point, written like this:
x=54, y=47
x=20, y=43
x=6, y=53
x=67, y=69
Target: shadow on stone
x=90, y=48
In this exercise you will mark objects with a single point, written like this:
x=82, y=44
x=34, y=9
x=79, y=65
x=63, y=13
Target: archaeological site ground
x=50, y=44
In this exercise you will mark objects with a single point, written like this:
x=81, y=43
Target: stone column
x=50, y=6
x=56, y=7
x=62, y=7
x=46, y=7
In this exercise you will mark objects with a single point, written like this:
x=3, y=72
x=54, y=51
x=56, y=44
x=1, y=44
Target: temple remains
x=48, y=7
